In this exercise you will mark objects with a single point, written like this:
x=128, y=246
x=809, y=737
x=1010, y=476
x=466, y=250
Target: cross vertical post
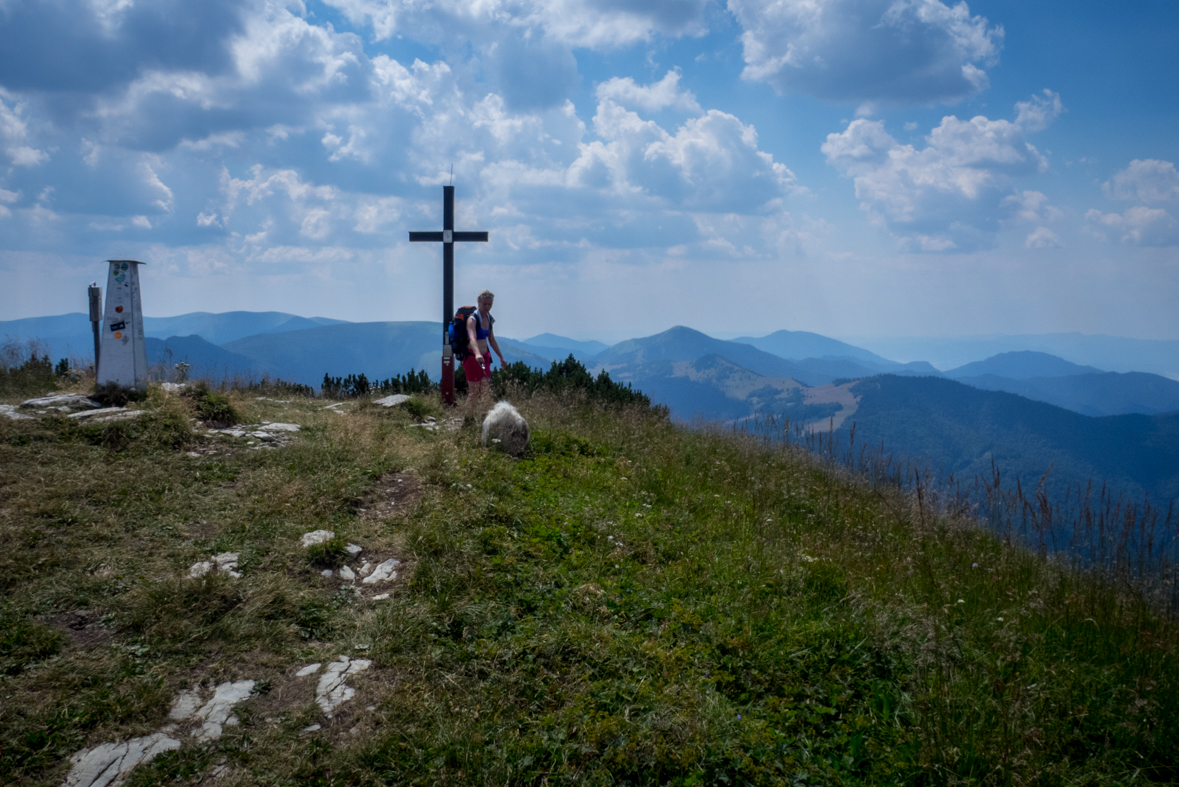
x=447, y=237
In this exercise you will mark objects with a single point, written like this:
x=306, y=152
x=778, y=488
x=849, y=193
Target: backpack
x=457, y=332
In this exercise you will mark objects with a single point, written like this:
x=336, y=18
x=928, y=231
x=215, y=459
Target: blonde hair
x=486, y=294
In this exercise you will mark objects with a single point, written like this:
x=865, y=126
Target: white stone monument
x=123, y=359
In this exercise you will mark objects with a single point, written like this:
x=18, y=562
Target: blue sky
x=869, y=168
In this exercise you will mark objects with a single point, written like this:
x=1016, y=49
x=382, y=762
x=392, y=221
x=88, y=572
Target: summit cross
x=448, y=237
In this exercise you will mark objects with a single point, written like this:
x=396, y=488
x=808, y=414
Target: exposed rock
x=353, y=550
x=9, y=411
x=217, y=713
x=173, y=387
x=366, y=569
x=381, y=596
x=281, y=427
x=347, y=574
x=225, y=561
x=310, y=669
x=200, y=569
x=383, y=572
x=185, y=704
x=332, y=691
x=317, y=537
x=312, y=728
x=70, y=400
x=108, y=764
x=107, y=414
x=392, y=400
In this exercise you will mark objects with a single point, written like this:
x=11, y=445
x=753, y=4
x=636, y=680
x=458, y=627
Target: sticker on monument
x=124, y=266
x=118, y=326
x=118, y=335
x=119, y=309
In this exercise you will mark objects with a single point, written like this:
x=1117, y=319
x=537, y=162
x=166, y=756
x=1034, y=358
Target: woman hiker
x=477, y=364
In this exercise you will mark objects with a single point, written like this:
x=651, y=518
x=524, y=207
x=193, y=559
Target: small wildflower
x=738, y=717
x=974, y=565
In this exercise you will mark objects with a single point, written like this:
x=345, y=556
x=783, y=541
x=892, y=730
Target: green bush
x=25, y=369
x=564, y=377
x=210, y=407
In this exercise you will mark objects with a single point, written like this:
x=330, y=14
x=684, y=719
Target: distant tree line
x=566, y=376
x=359, y=385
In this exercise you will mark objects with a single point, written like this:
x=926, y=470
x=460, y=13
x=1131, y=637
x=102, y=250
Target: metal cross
x=448, y=237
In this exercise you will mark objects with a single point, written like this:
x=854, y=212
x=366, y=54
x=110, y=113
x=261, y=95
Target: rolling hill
x=1021, y=365
x=1105, y=393
x=960, y=429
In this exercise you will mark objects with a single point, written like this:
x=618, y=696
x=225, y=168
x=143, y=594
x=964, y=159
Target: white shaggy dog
x=505, y=426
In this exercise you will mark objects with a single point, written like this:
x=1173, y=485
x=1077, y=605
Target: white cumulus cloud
x=1137, y=226
x=950, y=194
x=663, y=94
x=896, y=51
x=1148, y=180
x=1043, y=238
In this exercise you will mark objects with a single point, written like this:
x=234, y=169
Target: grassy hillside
x=629, y=603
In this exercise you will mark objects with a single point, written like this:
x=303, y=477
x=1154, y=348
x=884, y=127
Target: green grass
x=630, y=603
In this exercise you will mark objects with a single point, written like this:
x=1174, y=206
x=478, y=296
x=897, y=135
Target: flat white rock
x=383, y=572
x=327, y=572
x=381, y=596
x=9, y=411
x=392, y=400
x=200, y=569
x=310, y=669
x=173, y=387
x=62, y=400
x=332, y=691
x=347, y=574
x=317, y=537
x=353, y=550
x=217, y=713
x=108, y=764
x=105, y=412
x=224, y=561
x=282, y=427
x=312, y=728
x=366, y=569
x=185, y=704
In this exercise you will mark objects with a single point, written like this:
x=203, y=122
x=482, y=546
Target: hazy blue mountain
x=960, y=429
x=542, y=351
x=1021, y=365
x=65, y=335
x=205, y=360
x=710, y=387
x=230, y=326
x=551, y=340
x=685, y=344
x=796, y=345
x=376, y=349
x=1114, y=353
x=1105, y=393
x=69, y=335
